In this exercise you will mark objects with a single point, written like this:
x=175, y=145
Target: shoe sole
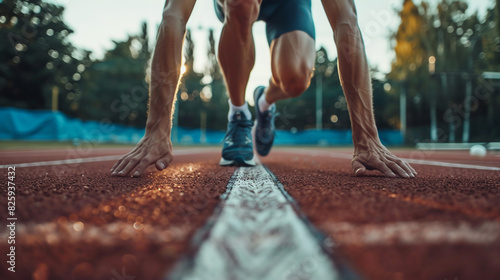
x=238, y=161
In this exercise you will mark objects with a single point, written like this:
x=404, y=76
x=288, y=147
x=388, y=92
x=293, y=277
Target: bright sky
x=96, y=23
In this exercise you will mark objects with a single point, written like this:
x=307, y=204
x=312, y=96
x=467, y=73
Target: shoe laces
x=237, y=128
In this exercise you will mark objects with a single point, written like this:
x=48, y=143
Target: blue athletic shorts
x=282, y=16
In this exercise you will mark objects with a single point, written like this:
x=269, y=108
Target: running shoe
x=238, y=148
x=264, y=129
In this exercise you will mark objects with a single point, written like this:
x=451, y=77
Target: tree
x=439, y=54
x=191, y=105
x=217, y=105
x=115, y=87
x=497, y=15
x=37, y=62
x=490, y=39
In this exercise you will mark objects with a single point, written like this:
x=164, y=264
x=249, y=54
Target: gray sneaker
x=237, y=148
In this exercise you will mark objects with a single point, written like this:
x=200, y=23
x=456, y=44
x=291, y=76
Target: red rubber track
x=330, y=195
x=167, y=207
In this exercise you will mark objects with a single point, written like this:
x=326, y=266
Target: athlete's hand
x=379, y=158
x=154, y=148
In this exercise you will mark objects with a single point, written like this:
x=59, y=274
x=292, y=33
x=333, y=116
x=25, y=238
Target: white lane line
x=413, y=233
x=60, y=162
x=455, y=165
x=53, y=233
x=414, y=161
x=69, y=148
x=344, y=233
x=256, y=235
x=96, y=159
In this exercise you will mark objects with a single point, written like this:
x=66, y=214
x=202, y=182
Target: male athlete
x=290, y=32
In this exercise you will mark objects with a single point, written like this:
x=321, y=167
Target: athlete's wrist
x=366, y=140
x=161, y=127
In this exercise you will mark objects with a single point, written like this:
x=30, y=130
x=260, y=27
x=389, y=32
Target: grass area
x=47, y=145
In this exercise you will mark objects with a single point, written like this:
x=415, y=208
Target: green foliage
x=37, y=62
x=202, y=93
x=490, y=39
x=115, y=87
x=437, y=51
x=36, y=57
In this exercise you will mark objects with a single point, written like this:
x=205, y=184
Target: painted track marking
x=61, y=162
x=54, y=233
x=453, y=165
x=96, y=159
x=256, y=234
x=345, y=233
x=301, y=152
x=414, y=161
x=69, y=148
x=414, y=233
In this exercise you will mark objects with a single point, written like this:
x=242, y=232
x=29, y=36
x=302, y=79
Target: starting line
x=300, y=152
x=414, y=233
x=257, y=234
x=409, y=160
x=96, y=159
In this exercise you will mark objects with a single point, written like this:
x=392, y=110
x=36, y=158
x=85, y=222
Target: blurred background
x=76, y=71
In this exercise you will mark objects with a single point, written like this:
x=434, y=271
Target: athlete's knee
x=243, y=12
x=294, y=83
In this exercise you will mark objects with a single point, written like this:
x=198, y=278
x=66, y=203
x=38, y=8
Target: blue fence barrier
x=43, y=125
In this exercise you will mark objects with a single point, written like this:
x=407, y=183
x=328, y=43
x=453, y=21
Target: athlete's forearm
x=353, y=71
x=166, y=64
x=356, y=83
x=364, y=130
x=165, y=72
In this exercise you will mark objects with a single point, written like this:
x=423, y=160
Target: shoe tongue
x=238, y=116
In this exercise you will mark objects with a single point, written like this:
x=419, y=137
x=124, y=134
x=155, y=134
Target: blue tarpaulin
x=44, y=125
x=19, y=124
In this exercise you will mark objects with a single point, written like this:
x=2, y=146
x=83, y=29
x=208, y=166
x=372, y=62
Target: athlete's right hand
x=379, y=158
x=154, y=148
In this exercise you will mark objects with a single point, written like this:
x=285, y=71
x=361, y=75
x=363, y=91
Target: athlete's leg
x=236, y=46
x=237, y=58
x=292, y=63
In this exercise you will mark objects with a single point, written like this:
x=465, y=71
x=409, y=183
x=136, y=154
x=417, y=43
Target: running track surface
x=77, y=222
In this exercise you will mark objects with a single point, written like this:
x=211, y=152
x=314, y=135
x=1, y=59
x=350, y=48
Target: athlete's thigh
x=292, y=54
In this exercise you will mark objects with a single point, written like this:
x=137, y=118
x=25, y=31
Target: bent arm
x=369, y=153
x=353, y=71
x=156, y=147
x=166, y=64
